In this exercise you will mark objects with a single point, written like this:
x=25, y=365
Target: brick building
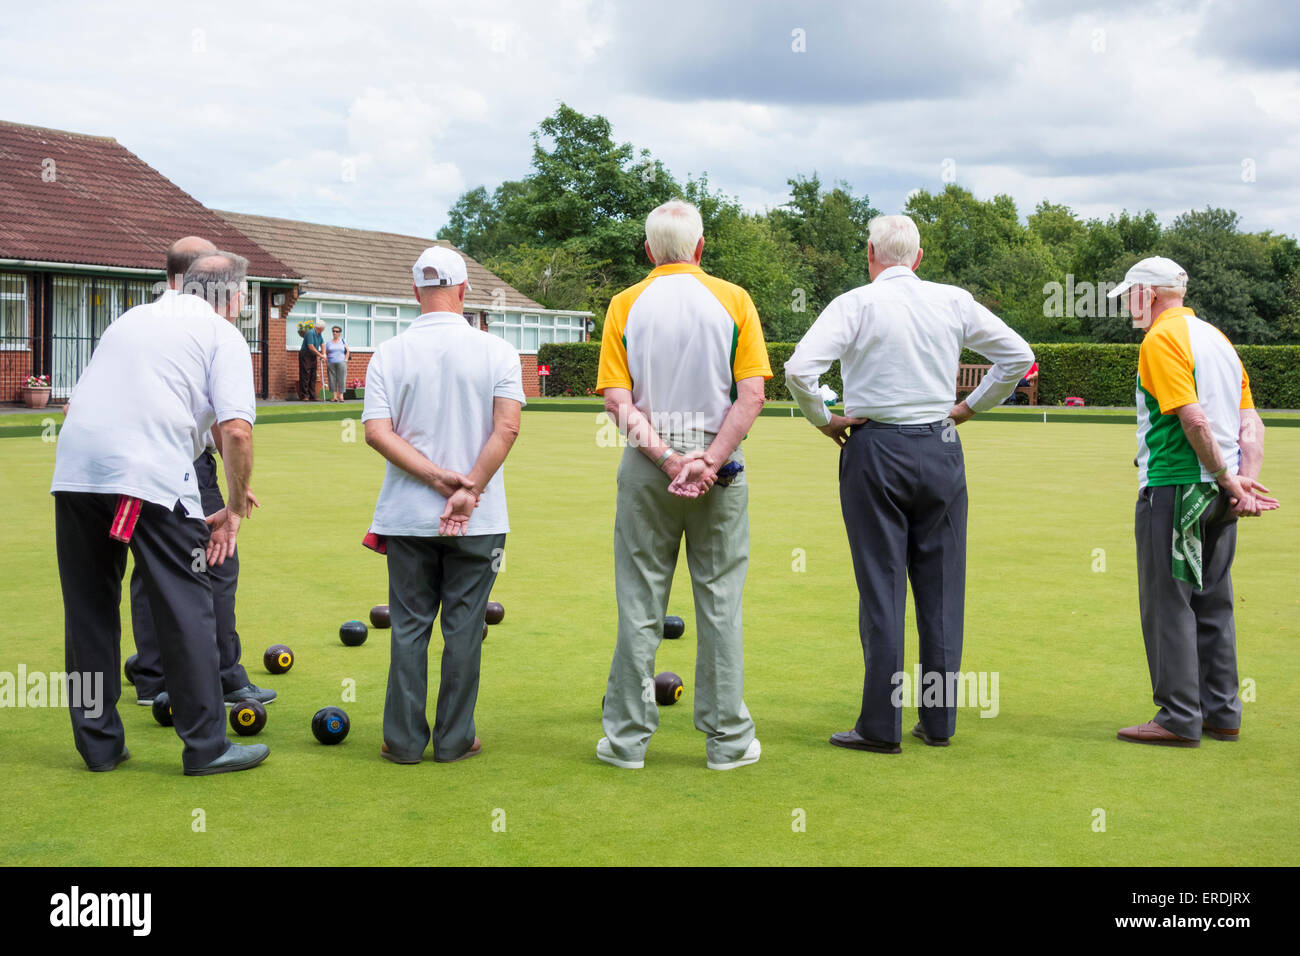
x=84, y=230
x=361, y=280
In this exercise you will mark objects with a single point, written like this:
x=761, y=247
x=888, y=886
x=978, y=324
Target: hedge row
x=1100, y=374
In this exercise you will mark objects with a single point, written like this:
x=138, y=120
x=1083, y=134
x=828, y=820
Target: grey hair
x=216, y=278
x=895, y=239
x=673, y=230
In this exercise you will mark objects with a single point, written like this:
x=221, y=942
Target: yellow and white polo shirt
x=680, y=340
x=1183, y=360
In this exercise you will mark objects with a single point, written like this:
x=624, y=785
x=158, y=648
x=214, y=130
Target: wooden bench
x=969, y=377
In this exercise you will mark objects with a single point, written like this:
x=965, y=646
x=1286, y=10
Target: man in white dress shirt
x=162, y=375
x=442, y=406
x=902, y=476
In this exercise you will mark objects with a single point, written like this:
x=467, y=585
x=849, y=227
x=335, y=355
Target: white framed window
x=528, y=332
x=13, y=312
x=365, y=324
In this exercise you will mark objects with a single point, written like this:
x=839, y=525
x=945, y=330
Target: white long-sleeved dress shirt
x=899, y=343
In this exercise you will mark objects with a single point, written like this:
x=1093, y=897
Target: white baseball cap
x=1157, y=270
x=439, y=266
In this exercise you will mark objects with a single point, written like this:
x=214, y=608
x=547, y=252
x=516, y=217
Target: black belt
x=905, y=429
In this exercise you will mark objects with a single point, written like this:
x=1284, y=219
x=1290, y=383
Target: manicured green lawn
x=1020, y=788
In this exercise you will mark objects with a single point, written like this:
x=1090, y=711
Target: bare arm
x=236, y=443
x=1251, y=440
x=1247, y=495
x=641, y=435
x=699, y=472
x=381, y=437
x=462, y=502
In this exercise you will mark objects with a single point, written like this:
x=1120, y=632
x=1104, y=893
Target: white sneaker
x=606, y=753
x=752, y=753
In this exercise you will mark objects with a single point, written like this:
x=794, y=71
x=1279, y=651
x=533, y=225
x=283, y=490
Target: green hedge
x=1100, y=374
x=573, y=367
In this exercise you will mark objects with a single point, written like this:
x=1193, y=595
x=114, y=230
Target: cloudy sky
x=379, y=114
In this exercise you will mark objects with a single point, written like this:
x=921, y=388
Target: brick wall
x=531, y=387
x=281, y=364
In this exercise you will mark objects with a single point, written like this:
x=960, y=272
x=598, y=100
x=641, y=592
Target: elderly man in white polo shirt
x=442, y=406
x=902, y=475
x=162, y=375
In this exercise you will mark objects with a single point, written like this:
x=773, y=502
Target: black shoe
x=123, y=757
x=855, y=741
x=238, y=757
x=919, y=731
x=250, y=692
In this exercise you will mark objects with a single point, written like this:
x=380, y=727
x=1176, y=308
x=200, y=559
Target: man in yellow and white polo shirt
x=1200, y=448
x=682, y=366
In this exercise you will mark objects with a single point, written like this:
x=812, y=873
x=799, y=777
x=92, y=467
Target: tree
x=829, y=230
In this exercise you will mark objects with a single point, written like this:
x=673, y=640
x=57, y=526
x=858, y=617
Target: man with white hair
x=902, y=475
x=442, y=406
x=682, y=367
x=1200, y=450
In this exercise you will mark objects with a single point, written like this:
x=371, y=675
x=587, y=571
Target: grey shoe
x=238, y=757
x=250, y=692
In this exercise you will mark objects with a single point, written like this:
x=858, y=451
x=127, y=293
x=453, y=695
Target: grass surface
x=1021, y=788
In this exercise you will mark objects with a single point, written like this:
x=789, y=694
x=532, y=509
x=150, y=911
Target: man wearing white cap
x=1200, y=448
x=442, y=406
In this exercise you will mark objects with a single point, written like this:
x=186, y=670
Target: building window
x=365, y=324
x=13, y=312
x=528, y=332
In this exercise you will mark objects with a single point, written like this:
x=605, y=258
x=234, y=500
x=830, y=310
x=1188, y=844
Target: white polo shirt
x=899, y=343
x=437, y=382
x=162, y=375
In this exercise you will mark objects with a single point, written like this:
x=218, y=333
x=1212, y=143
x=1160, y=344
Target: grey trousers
x=91, y=565
x=1190, y=635
x=903, y=495
x=149, y=682
x=451, y=578
x=648, y=530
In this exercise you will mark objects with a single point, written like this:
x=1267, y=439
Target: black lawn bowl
x=330, y=725
x=674, y=627
x=162, y=710
x=379, y=616
x=278, y=658
x=353, y=633
x=668, y=688
x=129, y=669
x=495, y=613
x=248, y=717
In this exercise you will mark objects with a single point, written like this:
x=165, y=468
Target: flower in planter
x=38, y=381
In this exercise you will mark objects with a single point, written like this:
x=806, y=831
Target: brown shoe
x=1153, y=733
x=1230, y=734
x=475, y=749
x=392, y=757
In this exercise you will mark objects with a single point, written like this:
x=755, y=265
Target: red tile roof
x=68, y=197
x=348, y=261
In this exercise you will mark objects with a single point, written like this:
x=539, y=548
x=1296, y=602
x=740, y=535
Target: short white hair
x=673, y=231
x=895, y=239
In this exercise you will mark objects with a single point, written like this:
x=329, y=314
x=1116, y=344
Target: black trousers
x=307, y=375
x=903, y=495
x=1190, y=634
x=149, y=680
x=168, y=545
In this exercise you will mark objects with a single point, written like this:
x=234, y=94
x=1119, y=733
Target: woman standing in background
x=336, y=358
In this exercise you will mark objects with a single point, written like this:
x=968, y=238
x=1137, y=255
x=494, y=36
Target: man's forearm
x=801, y=379
x=740, y=419
x=632, y=422
x=403, y=454
x=492, y=456
x=1201, y=437
x=237, y=457
x=1251, y=441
